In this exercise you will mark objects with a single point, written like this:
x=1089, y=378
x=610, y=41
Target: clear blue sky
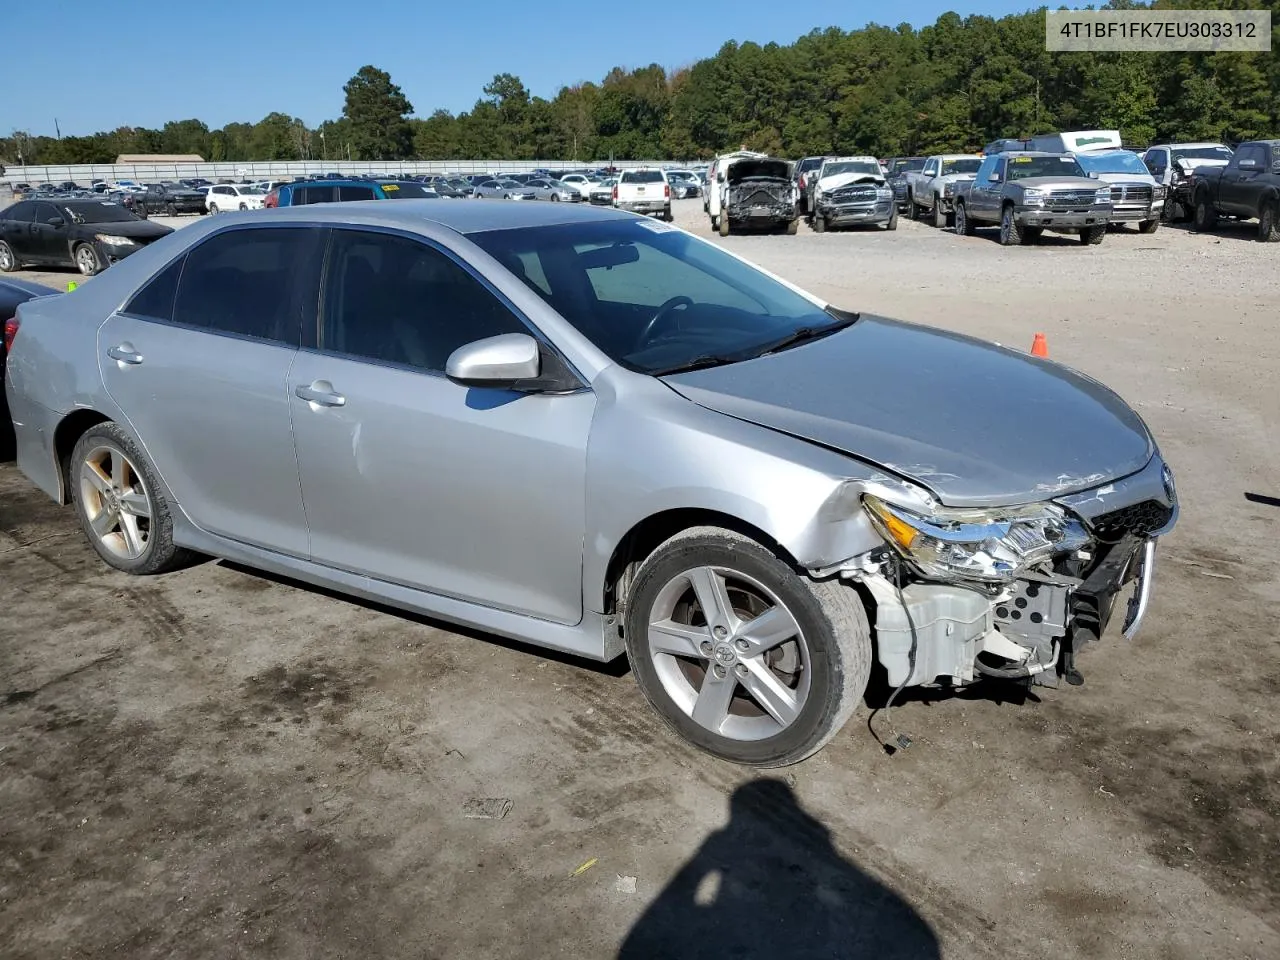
x=142, y=62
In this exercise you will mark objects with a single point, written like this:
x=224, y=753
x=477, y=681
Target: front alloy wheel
x=115, y=502
x=742, y=655
x=87, y=260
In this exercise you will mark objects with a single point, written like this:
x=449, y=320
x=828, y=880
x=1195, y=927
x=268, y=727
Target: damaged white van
x=751, y=191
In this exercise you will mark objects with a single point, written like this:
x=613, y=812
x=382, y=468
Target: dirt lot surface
x=219, y=764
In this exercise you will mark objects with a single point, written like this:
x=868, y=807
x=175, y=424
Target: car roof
x=464, y=218
x=868, y=159
x=1032, y=153
x=1202, y=143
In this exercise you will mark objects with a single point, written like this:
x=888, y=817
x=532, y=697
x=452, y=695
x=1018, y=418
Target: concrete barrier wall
x=85, y=174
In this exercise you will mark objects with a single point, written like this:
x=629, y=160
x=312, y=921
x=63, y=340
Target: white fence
x=85, y=174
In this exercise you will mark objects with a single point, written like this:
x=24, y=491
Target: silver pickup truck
x=931, y=191
x=1029, y=193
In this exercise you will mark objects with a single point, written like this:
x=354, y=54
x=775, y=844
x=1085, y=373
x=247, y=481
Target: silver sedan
x=590, y=431
x=503, y=190
x=544, y=189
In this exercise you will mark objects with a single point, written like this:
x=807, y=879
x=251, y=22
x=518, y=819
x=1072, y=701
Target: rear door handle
x=125, y=353
x=320, y=392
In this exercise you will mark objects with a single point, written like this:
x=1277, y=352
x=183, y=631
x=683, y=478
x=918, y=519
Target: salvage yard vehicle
x=1136, y=197
x=1028, y=193
x=544, y=189
x=643, y=191
x=224, y=197
x=1248, y=186
x=304, y=192
x=653, y=448
x=503, y=189
x=896, y=176
x=931, y=190
x=752, y=191
x=806, y=173
x=849, y=191
x=1174, y=164
x=12, y=293
x=89, y=235
x=168, y=199
x=684, y=184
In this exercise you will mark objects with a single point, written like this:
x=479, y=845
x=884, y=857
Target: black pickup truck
x=1247, y=187
x=168, y=198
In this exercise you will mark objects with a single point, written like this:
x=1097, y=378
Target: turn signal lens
x=10, y=331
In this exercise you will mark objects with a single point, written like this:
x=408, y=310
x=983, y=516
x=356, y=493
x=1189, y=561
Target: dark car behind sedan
x=13, y=292
x=89, y=235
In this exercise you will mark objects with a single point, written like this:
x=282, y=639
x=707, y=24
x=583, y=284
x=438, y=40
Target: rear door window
x=254, y=282
x=347, y=193
x=155, y=300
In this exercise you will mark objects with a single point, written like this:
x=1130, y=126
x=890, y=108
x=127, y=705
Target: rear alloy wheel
x=86, y=259
x=8, y=262
x=120, y=508
x=1148, y=226
x=740, y=654
x=1268, y=222
x=1010, y=229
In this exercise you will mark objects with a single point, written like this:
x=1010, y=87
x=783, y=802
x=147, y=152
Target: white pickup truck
x=931, y=191
x=643, y=191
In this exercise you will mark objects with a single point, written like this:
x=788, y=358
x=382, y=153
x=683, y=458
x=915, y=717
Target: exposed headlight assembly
x=994, y=546
x=110, y=241
x=1159, y=191
x=1103, y=196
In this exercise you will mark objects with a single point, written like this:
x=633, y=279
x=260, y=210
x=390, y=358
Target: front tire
x=1010, y=229
x=1206, y=218
x=793, y=227
x=171, y=210
x=8, y=260
x=742, y=655
x=118, y=501
x=1093, y=235
x=1269, y=222
x=913, y=212
x=964, y=226
x=1031, y=235
x=243, y=207
x=939, y=215
x=213, y=209
x=724, y=225
x=86, y=260
x=1148, y=226
x=893, y=219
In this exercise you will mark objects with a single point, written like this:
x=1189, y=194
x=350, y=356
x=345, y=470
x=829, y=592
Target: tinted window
x=396, y=300
x=1023, y=168
x=1254, y=153
x=99, y=211
x=967, y=165
x=20, y=211
x=988, y=165
x=405, y=191
x=244, y=282
x=46, y=212
x=354, y=193
x=155, y=300
x=643, y=176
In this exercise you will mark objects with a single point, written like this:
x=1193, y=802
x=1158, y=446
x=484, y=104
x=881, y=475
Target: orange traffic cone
x=1039, y=346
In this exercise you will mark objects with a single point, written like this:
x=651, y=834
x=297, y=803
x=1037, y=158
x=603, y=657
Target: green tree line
x=953, y=85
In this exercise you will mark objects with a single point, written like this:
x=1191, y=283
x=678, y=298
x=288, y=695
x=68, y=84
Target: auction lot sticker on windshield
x=657, y=226
x=1207, y=31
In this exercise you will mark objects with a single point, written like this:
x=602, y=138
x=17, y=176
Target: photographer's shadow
x=770, y=885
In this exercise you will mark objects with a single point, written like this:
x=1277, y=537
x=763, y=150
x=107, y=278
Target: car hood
x=143, y=230
x=1195, y=163
x=1130, y=178
x=838, y=180
x=976, y=423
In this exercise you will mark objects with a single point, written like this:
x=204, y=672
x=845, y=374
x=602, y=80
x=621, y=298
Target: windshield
x=851, y=166
x=1021, y=168
x=251, y=191
x=99, y=212
x=509, y=184
x=623, y=283
x=642, y=176
x=406, y=190
x=1202, y=153
x=809, y=163
x=1113, y=163
x=967, y=165
x=906, y=166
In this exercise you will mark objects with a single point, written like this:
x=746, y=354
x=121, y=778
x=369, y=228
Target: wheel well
x=645, y=537
x=65, y=435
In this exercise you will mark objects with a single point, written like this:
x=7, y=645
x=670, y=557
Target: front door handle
x=320, y=392
x=125, y=353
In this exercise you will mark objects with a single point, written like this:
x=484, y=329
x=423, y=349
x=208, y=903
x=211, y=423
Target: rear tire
x=781, y=701
x=118, y=501
x=1010, y=229
x=1269, y=222
x=1093, y=235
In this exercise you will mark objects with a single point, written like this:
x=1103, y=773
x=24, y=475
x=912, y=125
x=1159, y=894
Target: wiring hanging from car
x=900, y=740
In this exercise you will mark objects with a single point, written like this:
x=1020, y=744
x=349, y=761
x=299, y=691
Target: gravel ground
x=220, y=764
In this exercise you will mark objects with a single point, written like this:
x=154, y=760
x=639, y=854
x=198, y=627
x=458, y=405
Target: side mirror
x=1249, y=165
x=994, y=176
x=719, y=178
x=1092, y=175
x=499, y=362
x=56, y=222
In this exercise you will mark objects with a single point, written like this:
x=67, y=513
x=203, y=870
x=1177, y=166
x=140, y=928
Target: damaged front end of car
x=760, y=194
x=1011, y=593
